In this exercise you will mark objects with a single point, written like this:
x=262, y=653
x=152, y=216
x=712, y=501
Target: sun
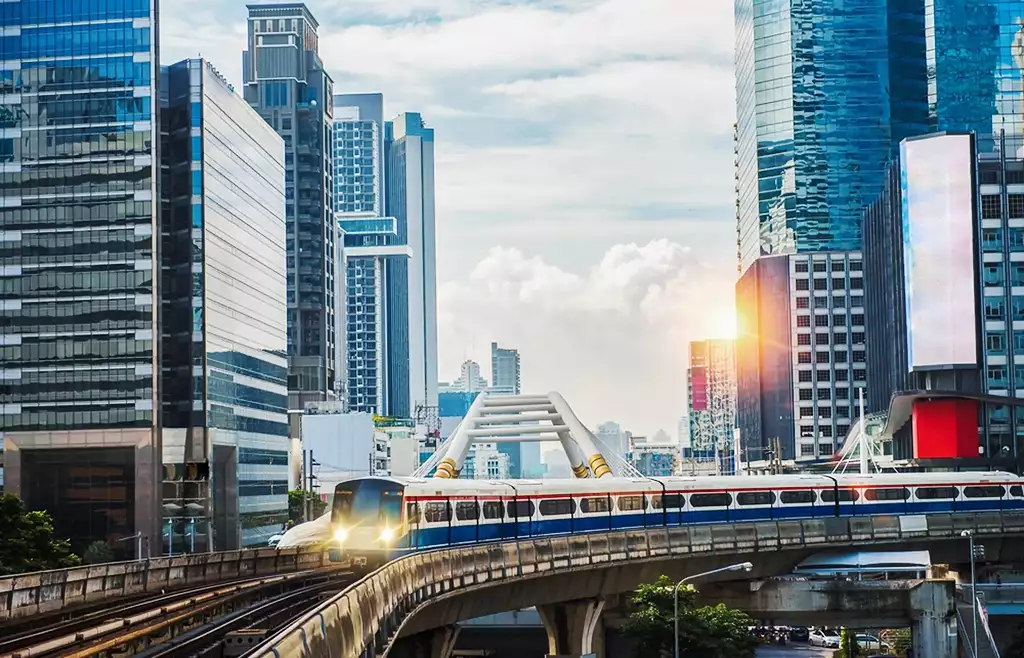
x=723, y=324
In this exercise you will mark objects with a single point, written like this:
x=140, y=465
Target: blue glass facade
x=814, y=122
x=286, y=83
x=225, y=334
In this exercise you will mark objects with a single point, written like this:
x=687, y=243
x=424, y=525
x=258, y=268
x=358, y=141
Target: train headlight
x=386, y=535
x=340, y=535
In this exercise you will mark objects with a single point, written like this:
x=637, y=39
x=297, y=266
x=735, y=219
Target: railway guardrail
x=47, y=592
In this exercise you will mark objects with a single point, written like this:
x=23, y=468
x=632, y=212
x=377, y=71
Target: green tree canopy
x=26, y=540
x=706, y=632
x=98, y=552
x=297, y=507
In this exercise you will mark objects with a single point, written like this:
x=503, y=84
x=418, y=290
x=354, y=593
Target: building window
x=806, y=450
x=995, y=342
x=822, y=357
x=842, y=375
x=825, y=430
x=819, y=266
x=800, y=266
x=801, y=284
x=803, y=302
x=840, y=338
x=821, y=284
x=803, y=321
x=990, y=206
x=807, y=412
x=860, y=375
x=821, y=321
x=1015, y=236
x=806, y=376
x=1018, y=342
x=842, y=412
x=823, y=376
x=993, y=275
x=837, y=266
x=1016, y=206
x=803, y=339
x=806, y=394
x=992, y=239
x=821, y=339
x=825, y=448
x=1014, y=176
x=997, y=377
x=803, y=357
x=1017, y=274
x=857, y=319
x=825, y=412
x=841, y=356
x=821, y=302
x=824, y=393
x=995, y=308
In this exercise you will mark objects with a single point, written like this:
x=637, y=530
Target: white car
x=274, y=541
x=827, y=639
x=871, y=642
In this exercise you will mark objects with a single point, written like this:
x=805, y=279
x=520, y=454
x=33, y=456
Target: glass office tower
x=286, y=82
x=78, y=152
x=224, y=334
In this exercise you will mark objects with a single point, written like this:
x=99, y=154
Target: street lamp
x=976, y=552
x=742, y=566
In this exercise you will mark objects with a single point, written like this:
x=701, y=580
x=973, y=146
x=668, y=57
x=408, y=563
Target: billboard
x=936, y=177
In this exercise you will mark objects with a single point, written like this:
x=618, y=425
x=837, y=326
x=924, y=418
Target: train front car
x=366, y=521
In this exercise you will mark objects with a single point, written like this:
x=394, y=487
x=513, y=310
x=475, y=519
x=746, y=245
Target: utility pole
x=310, y=477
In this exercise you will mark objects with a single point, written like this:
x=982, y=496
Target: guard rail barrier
x=24, y=595
x=365, y=618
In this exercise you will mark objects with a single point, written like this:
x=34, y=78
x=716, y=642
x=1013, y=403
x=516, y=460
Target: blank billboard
x=938, y=251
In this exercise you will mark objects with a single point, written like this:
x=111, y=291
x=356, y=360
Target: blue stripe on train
x=494, y=531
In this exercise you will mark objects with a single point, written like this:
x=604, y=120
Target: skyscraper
x=286, y=83
x=79, y=169
x=504, y=370
x=712, y=398
x=409, y=167
x=224, y=392
x=816, y=127
x=470, y=380
x=376, y=271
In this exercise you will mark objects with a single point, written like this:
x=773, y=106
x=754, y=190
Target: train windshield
x=367, y=502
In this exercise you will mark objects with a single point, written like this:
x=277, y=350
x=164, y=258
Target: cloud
x=612, y=338
x=589, y=138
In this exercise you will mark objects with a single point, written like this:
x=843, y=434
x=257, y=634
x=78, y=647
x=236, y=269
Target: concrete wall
x=432, y=590
x=29, y=594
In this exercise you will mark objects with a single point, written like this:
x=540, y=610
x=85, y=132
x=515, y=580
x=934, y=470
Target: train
x=375, y=519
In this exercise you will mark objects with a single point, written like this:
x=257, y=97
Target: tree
x=848, y=647
x=706, y=632
x=26, y=540
x=297, y=508
x=98, y=552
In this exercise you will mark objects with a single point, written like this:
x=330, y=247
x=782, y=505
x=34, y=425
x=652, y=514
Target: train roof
x=456, y=487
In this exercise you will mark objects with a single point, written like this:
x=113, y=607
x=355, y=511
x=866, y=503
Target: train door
x=412, y=523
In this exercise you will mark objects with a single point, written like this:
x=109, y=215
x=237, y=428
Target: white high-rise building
x=469, y=381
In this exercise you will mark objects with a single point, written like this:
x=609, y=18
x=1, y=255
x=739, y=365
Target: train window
x=988, y=491
x=520, y=509
x=668, y=501
x=493, y=509
x=1016, y=491
x=437, y=512
x=412, y=513
x=594, y=505
x=557, y=506
x=799, y=497
x=467, y=510
x=755, y=498
x=895, y=493
x=632, y=503
x=935, y=493
x=845, y=495
x=710, y=500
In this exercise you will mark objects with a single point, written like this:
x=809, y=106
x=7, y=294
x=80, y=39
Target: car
x=824, y=638
x=798, y=633
x=274, y=541
x=865, y=641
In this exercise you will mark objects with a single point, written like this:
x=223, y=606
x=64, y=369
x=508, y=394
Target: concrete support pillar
x=574, y=629
x=935, y=636
x=442, y=641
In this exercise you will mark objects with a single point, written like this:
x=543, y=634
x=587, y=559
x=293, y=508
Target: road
x=794, y=651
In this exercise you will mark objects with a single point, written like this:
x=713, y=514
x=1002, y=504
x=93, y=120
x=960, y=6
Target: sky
x=584, y=176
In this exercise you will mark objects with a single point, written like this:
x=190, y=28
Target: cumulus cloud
x=590, y=138
x=612, y=338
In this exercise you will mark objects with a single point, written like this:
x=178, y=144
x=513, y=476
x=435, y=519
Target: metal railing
x=27, y=594
x=366, y=617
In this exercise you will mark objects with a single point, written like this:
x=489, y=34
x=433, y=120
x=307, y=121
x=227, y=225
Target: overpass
x=569, y=578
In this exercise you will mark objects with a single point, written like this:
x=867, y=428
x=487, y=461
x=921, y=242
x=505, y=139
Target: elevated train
x=374, y=519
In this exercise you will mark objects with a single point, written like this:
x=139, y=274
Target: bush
x=98, y=552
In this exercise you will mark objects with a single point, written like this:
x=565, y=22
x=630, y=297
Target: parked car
x=824, y=638
x=871, y=642
x=798, y=633
x=274, y=541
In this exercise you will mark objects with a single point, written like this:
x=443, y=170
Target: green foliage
x=297, y=508
x=848, y=647
x=98, y=552
x=902, y=641
x=707, y=632
x=26, y=540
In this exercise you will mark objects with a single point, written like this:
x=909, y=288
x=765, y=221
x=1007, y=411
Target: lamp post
x=742, y=566
x=976, y=552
